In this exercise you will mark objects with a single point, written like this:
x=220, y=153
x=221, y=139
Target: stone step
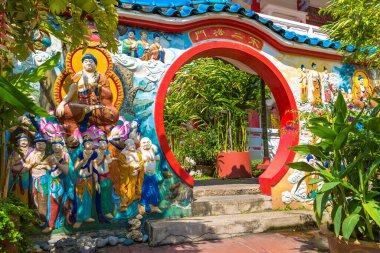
x=230, y=204
x=220, y=187
x=222, y=190
x=176, y=231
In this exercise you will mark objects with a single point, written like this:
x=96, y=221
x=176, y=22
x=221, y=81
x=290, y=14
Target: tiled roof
x=186, y=8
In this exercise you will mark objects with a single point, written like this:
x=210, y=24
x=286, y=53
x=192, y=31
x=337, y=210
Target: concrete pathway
x=276, y=242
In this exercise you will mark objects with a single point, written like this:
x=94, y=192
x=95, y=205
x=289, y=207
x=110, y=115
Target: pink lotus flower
x=51, y=130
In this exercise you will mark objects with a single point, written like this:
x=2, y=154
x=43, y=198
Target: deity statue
x=303, y=85
x=143, y=46
x=40, y=180
x=115, y=146
x=327, y=86
x=73, y=149
x=19, y=168
x=94, y=105
x=315, y=79
x=58, y=164
x=130, y=45
x=135, y=133
x=156, y=52
x=83, y=185
x=150, y=196
x=361, y=93
x=103, y=160
x=131, y=174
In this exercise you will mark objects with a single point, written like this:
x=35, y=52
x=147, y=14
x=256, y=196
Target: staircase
x=224, y=209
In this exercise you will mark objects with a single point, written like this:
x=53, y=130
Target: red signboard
x=224, y=32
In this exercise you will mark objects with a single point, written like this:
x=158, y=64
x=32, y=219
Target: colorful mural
x=99, y=159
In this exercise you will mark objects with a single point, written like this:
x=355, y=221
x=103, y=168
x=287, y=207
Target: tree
x=20, y=21
x=64, y=19
x=356, y=26
x=212, y=94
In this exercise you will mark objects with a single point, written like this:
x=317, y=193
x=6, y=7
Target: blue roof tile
x=171, y=12
x=249, y=13
x=350, y=48
x=301, y=38
x=220, y=7
x=203, y=8
x=234, y=8
x=289, y=35
x=187, y=11
x=186, y=8
x=313, y=41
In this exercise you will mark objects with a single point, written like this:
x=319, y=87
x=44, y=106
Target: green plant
x=198, y=145
x=209, y=92
x=256, y=172
x=348, y=155
x=17, y=222
x=356, y=26
x=65, y=19
x=203, y=177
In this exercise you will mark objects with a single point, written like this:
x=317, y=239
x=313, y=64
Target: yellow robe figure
x=130, y=184
x=303, y=88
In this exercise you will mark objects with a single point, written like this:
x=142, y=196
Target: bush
x=256, y=172
x=17, y=221
x=198, y=145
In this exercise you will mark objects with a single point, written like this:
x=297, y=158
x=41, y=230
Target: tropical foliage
x=64, y=19
x=348, y=155
x=357, y=24
x=17, y=222
x=14, y=91
x=210, y=94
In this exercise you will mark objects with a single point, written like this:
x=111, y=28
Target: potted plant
x=347, y=152
x=213, y=94
x=17, y=222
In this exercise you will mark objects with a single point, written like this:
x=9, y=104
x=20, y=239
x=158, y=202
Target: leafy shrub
x=256, y=172
x=17, y=221
x=198, y=145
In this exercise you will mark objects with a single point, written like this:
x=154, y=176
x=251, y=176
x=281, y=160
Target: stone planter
x=338, y=245
x=234, y=165
x=206, y=170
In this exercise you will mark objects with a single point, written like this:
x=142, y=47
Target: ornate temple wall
x=105, y=159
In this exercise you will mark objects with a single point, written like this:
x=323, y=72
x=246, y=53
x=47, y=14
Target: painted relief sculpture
x=150, y=193
x=304, y=93
x=362, y=90
x=94, y=105
x=130, y=45
x=135, y=133
x=315, y=80
x=156, y=52
x=102, y=163
x=84, y=185
x=131, y=174
x=115, y=146
x=40, y=179
x=143, y=46
x=19, y=170
x=59, y=167
x=327, y=86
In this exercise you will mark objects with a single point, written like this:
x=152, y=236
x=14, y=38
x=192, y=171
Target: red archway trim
x=266, y=70
x=269, y=38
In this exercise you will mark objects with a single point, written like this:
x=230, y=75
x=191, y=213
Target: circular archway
x=267, y=71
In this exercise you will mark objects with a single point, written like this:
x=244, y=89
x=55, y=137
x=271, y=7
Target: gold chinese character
x=218, y=32
x=255, y=42
x=200, y=32
x=238, y=35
